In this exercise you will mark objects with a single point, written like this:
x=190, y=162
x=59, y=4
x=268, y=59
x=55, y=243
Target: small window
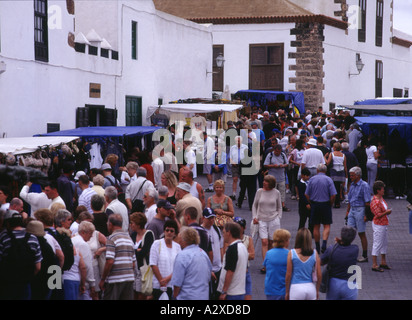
x=378, y=78
x=80, y=47
x=53, y=127
x=104, y=53
x=362, y=22
x=115, y=55
x=134, y=40
x=41, y=42
x=93, y=50
x=397, y=93
x=379, y=23
x=406, y=93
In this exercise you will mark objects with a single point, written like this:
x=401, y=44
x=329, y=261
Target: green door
x=133, y=111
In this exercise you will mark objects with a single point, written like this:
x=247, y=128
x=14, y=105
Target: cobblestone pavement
x=395, y=284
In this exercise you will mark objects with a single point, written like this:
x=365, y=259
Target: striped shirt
x=85, y=199
x=5, y=243
x=119, y=247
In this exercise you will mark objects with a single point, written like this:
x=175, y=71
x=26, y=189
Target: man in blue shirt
x=192, y=269
x=358, y=197
x=321, y=194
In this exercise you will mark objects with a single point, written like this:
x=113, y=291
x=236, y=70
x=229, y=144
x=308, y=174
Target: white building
x=305, y=45
x=83, y=63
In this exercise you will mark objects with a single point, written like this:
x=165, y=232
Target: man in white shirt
x=232, y=283
x=137, y=189
x=87, y=193
x=34, y=199
x=129, y=175
x=150, y=199
x=312, y=157
x=116, y=206
x=236, y=154
x=190, y=157
x=51, y=191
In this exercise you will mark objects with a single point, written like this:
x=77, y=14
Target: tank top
x=193, y=190
x=338, y=162
x=73, y=273
x=302, y=270
x=223, y=206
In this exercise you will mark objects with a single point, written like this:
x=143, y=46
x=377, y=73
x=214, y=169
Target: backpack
x=17, y=266
x=66, y=244
x=39, y=286
x=120, y=193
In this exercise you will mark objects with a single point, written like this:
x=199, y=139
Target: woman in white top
x=162, y=257
x=97, y=245
x=267, y=212
x=74, y=279
x=372, y=163
x=338, y=171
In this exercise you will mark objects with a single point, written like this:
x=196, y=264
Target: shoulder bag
x=324, y=286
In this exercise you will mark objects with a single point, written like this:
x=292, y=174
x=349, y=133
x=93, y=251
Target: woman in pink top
x=380, y=224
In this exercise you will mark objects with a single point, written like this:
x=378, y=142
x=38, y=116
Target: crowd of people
x=146, y=229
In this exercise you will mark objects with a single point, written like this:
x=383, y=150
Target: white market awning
x=23, y=145
x=194, y=108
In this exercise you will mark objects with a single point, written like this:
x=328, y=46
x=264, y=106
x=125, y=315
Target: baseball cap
x=164, y=204
x=208, y=213
x=11, y=214
x=106, y=166
x=184, y=186
x=276, y=130
x=78, y=174
x=312, y=142
x=241, y=221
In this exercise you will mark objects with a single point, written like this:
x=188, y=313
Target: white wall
x=171, y=63
x=173, y=55
x=34, y=93
x=340, y=57
x=236, y=40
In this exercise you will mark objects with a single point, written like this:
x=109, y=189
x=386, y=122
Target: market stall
x=102, y=141
x=270, y=100
x=186, y=113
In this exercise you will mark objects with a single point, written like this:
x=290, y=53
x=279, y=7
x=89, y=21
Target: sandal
x=377, y=269
x=385, y=266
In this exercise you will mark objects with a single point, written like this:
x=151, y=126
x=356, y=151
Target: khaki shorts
x=267, y=228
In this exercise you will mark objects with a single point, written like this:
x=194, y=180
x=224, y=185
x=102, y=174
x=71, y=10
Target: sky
x=402, y=15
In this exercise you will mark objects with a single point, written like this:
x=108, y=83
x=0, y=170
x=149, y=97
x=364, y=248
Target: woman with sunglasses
x=162, y=257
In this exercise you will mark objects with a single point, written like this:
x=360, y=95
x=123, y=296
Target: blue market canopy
x=375, y=125
x=384, y=101
x=384, y=120
x=261, y=97
x=105, y=132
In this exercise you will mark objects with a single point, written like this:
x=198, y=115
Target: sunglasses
x=169, y=230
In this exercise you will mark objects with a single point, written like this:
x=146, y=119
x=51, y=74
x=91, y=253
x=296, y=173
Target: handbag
x=147, y=275
x=324, y=285
x=138, y=204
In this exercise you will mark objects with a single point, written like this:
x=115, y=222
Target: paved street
x=394, y=284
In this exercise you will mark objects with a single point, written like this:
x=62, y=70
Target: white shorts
x=302, y=291
x=267, y=228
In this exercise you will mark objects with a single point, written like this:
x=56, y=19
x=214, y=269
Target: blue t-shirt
x=275, y=263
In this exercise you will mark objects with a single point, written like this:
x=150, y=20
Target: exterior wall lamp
x=359, y=66
x=220, y=61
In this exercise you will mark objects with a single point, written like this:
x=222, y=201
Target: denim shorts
x=356, y=218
